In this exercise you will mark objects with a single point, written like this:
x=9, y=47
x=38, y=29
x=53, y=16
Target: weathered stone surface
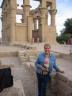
x=10, y=92
x=63, y=86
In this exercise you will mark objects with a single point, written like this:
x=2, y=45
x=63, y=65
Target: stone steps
x=8, y=54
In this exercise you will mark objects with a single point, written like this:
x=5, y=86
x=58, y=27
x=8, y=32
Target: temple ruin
x=34, y=23
x=21, y=58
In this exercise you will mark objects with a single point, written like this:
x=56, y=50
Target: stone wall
x=59, y=86
x=64, y=85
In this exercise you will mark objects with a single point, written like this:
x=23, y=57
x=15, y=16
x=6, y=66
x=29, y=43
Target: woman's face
x=47, y=50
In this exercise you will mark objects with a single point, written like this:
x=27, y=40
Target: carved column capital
x=53, y=11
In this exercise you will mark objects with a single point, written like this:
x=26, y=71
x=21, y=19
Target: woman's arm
x=56, y=67
x=37, y=63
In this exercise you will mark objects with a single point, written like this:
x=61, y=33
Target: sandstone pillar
x=53, y=13
x=43, y=23
x=53, y=6
x=43, y=3
x=30, y=28
x=13, y=7
x=26, y=9
x=35, y=23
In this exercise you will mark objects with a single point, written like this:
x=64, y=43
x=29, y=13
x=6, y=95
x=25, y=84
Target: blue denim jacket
x=40, y=61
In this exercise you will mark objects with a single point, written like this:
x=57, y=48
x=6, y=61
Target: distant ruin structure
x=34, y=23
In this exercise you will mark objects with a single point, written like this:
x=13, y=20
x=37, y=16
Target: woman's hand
x=44, y=68
x=61, y=71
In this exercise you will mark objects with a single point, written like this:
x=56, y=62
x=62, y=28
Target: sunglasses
x=47, y=48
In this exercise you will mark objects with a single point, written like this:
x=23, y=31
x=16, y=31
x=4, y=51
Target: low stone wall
x=59, y=86
x=64, y=85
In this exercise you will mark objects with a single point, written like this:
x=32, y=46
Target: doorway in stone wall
x=35, y=35
x=36, y=32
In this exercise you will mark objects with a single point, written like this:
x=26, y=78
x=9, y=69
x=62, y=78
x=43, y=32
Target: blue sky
x=64, y=8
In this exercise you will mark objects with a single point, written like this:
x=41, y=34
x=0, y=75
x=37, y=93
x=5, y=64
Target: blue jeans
x=42, y=83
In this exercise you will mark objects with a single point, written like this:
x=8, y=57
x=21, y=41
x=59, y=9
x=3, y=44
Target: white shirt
x=46, y=62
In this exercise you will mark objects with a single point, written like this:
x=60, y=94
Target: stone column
x=43, y=23
x=29, y=28
x=47, y=17
x=53, y=13
x=26, y=9
x=3, y=28
x=13, y=7
x=4, y=23
x=43, y=3
x=43, y=19
x=53, y=6
x=35, y=23
x=26, y=2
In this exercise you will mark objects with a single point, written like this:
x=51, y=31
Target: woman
x=45, y=63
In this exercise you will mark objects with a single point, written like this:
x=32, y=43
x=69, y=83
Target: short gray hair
x=47, y=45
